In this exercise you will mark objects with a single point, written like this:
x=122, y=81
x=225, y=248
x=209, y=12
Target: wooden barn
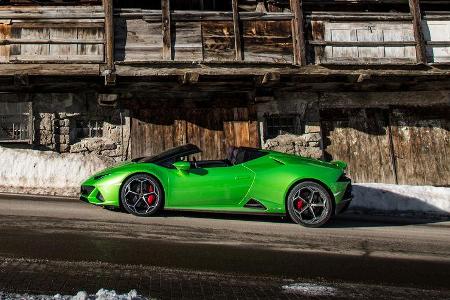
x=365, y=81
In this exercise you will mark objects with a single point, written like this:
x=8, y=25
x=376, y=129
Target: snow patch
x=102, y=294
x=46, y=172
x=401, y=198
x=309, y=289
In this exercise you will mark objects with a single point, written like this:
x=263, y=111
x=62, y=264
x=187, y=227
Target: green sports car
x=248, y=181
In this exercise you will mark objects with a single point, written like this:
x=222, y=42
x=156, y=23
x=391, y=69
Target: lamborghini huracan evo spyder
x=247, y=181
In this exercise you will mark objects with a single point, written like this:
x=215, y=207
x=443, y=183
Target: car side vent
x=252, y=203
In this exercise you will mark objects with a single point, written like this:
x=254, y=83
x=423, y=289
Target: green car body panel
x=267, y=179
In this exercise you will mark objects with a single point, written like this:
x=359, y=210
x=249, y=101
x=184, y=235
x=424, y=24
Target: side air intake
x=252, y=203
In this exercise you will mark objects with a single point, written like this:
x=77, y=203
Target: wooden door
x=212, y=129
x=421, y=140
x=396, y=145
x=360, y=138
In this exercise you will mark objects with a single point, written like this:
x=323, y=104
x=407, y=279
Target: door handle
x=241, y=177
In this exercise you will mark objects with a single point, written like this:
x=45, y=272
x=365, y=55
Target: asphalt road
x=410, y=255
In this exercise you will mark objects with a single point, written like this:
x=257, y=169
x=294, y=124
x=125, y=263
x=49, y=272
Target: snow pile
x=401, y=198
x=45, y=172
x=102, y=294
x=309, y=289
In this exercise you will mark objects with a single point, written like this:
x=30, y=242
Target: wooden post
x=167, y=37
x=237, y=31
x=109, y=38
x=418, y=33
x=392, y=156
x=298, y=33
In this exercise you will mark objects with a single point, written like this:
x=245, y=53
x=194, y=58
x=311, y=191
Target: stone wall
x=55, y=126
x=307, y=142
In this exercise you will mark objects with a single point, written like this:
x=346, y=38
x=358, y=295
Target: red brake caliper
x=151, y=197
x=299, y=204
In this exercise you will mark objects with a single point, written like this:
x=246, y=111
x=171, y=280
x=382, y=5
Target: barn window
x=278, y=124
x=89, y=129
x=16, y=121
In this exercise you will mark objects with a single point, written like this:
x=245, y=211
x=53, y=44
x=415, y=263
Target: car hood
x=121, y=167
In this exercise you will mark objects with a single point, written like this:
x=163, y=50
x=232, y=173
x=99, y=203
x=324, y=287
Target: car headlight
x=98, y=177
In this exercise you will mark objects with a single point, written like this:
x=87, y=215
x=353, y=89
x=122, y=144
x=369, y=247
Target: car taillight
x=344, y=178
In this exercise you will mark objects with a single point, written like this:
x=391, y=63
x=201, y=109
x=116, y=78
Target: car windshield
x=171, y=154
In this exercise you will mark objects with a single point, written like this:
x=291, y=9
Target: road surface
x=70, y=245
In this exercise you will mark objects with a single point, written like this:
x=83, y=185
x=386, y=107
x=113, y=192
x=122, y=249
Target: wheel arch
x=321, y=183
x=158, y=180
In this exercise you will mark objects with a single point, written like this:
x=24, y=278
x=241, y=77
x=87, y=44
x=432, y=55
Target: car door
x=218, y=187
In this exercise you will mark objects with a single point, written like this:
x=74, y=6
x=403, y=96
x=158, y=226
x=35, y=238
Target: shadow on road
x=347, y=220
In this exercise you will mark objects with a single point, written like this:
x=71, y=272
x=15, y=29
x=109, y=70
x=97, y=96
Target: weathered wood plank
x=437, y=38
x=49, y=69
x=137, y=40
x=237, y=31
x=109, y=35
x=187, y=41
x=298, y=34
x=268, y=41
x=218, y=41
x=51, y=12
x=422, y=145
x=360, y=43
x=166, y=31
x=5, y=33
x=418, y=33
x=358, y=136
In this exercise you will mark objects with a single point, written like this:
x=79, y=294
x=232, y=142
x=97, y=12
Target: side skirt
x=258, y=213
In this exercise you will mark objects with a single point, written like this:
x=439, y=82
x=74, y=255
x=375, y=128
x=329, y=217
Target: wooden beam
x=189, y=78
x=237, y=31
x=268, y=79
x=167, y=36
x=421, y=54
x=298, y=33
x=21, y=80
x=109, y=42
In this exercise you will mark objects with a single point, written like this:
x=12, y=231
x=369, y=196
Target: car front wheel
x=141, y=195
x=309, y=204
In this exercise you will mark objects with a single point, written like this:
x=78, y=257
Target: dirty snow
x=309, y=289
x=46, y=172
x=102, y=294
x=401, y=198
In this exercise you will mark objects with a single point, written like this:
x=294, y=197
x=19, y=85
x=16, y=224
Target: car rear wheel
x=141, y=195
x=309, y=204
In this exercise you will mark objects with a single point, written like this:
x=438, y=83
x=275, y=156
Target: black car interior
x=235, y=156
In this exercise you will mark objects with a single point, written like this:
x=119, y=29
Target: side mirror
x=183, y=166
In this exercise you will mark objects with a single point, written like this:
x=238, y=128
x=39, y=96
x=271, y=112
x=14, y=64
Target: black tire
x=309, y=204
x=141, y=195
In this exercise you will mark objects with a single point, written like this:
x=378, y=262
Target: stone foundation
x=307, y=144
x=56, y=117
x=305, y=106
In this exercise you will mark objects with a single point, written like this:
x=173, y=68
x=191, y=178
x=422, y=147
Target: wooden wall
x=203, y=36
x=52, y=34
x=155, y=129
x=394, y=145
x=436, y=32
x=377, y=38
x=269, y=32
